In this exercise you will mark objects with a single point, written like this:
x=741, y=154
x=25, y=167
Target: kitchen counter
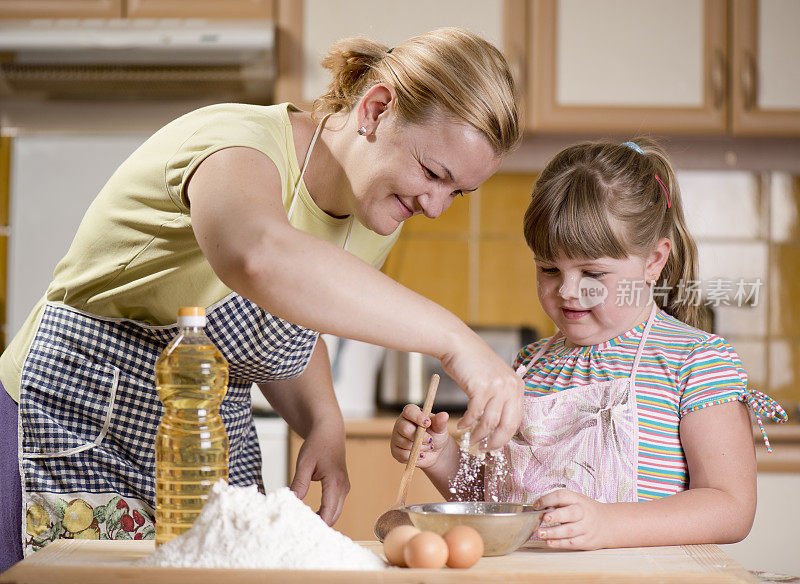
x=98, y=562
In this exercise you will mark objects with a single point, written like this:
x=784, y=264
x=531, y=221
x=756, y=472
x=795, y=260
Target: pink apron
x=584, y=438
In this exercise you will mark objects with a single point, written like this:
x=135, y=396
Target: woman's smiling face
x=594, y=300
x=407, y=169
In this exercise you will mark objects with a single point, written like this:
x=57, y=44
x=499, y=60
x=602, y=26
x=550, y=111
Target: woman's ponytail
x=350, y=62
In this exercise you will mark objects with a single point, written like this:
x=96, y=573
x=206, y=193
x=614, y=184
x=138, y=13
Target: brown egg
x=465, y=546
x=426, y=550
x=395, y=543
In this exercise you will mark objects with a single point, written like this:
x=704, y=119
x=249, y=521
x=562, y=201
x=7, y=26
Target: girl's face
x=402, y=170
x=594, y=300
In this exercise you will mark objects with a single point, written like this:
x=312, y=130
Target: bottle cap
x=192, y=316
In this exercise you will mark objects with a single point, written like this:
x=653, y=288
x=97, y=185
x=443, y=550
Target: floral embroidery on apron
x=584, y=438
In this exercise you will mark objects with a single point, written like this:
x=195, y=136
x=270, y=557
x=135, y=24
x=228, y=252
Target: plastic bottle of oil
x=191, y=445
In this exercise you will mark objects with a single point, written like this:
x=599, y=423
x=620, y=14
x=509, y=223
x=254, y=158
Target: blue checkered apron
x=89, y=413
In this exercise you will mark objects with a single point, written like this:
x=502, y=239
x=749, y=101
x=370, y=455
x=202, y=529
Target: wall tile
x=784, y=289
x=753, y=354
x=739, y=265
x=454, y=221
x=503, y=200
x=784, y=369
x=785, y=207
x=721, y=204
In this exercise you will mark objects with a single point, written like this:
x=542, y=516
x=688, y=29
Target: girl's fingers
x=569, y=543
x=559, y=498
x=567, y=514
x=403, y=443
x=403, y=430
x=413, y=413
x=565, y=530
x=439, y=423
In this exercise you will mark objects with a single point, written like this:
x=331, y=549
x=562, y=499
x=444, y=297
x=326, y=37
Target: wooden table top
x=96, y=562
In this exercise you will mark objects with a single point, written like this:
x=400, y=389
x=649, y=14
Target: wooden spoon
x=395, y=516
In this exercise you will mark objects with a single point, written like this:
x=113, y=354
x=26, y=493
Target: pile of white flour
x=241, y=528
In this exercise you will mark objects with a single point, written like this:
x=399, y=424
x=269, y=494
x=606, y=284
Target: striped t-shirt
x=682, y=369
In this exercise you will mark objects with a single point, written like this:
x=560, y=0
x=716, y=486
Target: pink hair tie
x=663, y=188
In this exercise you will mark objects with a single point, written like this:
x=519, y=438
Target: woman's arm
x=309, y=406
x=241, y=225
x=718, y=507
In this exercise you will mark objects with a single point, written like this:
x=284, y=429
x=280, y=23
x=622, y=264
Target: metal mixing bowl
x=503, y=526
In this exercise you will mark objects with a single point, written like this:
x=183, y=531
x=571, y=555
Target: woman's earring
x=362, y=131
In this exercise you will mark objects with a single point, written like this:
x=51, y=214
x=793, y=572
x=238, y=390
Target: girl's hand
x=584, y=522
x=434, y=442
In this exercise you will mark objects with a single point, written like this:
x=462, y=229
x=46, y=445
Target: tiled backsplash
x=747, y=228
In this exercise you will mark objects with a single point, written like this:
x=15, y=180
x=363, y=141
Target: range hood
x=137, y=58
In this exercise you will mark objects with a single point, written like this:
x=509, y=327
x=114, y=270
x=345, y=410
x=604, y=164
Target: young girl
x=635, y=426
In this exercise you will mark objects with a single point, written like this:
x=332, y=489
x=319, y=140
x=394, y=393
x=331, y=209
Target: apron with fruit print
x=89, y=411
x=584, y=438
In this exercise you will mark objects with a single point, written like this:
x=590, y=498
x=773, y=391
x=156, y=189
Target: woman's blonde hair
x=449, y=68
x=602, y=199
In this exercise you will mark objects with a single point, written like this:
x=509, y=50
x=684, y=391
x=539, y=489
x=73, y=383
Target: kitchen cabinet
x=473, y=260
x=374, y=477
x=234, y=9
x=663, y=66
x=627, y=66
x=765, y=74
x=61, y=8
x=307, y=28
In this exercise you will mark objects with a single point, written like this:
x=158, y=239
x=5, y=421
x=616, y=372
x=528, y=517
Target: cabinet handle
x=718, y=79
x=749, y=81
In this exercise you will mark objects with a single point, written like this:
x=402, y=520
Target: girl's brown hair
x=449, y=69
x=602, y=199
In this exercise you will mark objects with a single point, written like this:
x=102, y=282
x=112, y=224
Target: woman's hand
x=434, y=442
x=494, y=390
x=583, y=521
x=322, y=458
x=308, y=404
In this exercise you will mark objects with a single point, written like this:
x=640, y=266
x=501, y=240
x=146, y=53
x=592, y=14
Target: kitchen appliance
x=134, y=58
x=404, y=376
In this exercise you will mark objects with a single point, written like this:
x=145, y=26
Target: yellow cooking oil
x=191, y=444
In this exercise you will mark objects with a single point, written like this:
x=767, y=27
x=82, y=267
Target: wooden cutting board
x=100, y=562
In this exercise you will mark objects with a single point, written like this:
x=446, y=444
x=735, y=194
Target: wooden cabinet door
x=318, y=23
x=374, y=478
x=766, y=67
x=632, y=66
x=233, y=9
x=60, y=8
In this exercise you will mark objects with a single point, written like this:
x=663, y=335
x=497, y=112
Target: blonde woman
x=276, y=220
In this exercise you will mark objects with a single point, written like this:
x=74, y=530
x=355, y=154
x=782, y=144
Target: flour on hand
x=241, y=528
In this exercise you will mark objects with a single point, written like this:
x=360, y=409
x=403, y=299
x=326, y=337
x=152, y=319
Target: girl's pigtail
x=674, y=291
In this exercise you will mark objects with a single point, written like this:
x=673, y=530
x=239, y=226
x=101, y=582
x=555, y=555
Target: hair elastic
x=389, y=52
x=663, y=188
x=633, y=146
